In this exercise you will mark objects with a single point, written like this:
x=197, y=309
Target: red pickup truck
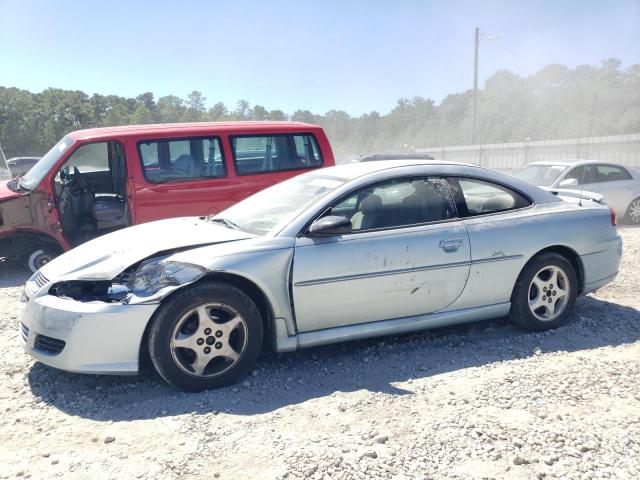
x=98, y=180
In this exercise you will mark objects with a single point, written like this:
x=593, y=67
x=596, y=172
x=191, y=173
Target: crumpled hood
x=6, y=193
x=105, y=257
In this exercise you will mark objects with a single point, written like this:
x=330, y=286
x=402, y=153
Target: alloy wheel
x=548, y=293
x=209, y=339
x=634, y=211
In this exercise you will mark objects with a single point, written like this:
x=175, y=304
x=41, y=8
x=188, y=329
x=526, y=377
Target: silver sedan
x=618, y=184
x=337, y=254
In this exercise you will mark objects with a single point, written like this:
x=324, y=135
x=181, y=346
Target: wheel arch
x=20, y=242
x=572, y=257
x=247, y=286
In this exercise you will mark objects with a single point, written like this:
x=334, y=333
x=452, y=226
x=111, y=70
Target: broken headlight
x=155, y=274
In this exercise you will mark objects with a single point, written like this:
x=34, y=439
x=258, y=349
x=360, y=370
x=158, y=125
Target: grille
x=40, y=279
x=24, y=331
x=48, y=345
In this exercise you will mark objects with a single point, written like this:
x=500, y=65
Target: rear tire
x=633, y=212
x=205, y=336
x=545, y=293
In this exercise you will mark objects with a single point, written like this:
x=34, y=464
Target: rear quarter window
x=481, y=197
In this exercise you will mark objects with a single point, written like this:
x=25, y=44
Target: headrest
x=370, y=204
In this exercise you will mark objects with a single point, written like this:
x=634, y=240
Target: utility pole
x=475, y=87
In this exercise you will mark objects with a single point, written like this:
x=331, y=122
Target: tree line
x=555, y=102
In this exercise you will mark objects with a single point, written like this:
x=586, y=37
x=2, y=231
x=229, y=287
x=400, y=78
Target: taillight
x=614, y=220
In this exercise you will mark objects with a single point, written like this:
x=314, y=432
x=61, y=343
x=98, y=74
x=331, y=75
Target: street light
x=475, y=80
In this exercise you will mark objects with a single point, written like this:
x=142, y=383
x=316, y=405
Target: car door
x=617, y=186
x=408, y=254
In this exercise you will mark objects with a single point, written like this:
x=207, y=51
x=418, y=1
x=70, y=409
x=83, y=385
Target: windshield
x=541, y=175
x=34, y=176
x=278, y=205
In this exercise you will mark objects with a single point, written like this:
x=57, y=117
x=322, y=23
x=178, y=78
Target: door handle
x=451, y=245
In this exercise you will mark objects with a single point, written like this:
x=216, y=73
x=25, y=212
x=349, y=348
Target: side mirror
x=568, y=183
x=330, y=225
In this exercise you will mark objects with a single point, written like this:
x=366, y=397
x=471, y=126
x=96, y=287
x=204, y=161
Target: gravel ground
x=479, y=401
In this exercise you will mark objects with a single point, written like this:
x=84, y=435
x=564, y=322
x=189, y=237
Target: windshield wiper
x=225, y=222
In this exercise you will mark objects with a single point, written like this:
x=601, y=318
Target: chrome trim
x=497, y=259
x=24, y=332
x=359, y=276
x=40, y=280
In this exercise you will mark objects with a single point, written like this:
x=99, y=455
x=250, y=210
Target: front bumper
x=92, y=337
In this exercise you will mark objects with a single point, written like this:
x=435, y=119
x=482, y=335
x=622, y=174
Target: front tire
x=545, y=293
x=40, y=257
x=205, y=336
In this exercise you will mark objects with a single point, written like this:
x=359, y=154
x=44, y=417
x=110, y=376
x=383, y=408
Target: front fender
x=269, y=270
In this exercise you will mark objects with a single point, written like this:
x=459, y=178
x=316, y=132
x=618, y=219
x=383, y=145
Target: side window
x=586, y=173
x=92, y=157
x=181, y=159
x=481, y=197
x=397, y=203
x=271, y=153
x=612, y=173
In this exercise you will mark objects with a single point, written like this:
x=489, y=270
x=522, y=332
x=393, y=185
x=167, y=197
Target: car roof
x=350, y=171
x=572, y=162
x=194, y=128
x=393, y=156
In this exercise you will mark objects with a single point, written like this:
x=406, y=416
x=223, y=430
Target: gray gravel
x=478, y=401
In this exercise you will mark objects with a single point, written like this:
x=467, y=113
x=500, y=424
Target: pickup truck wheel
x=40, y=257
x=205, y=336
x=545, y=293
x=633, y=212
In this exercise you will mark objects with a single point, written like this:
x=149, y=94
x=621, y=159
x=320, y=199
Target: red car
x=98, y=180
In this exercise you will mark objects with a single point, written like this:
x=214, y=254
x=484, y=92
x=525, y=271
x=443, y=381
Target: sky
x=357, y=56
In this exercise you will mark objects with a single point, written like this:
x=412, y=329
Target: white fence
x=624, y=149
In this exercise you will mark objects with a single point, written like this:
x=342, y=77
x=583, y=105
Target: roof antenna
x=584, y=169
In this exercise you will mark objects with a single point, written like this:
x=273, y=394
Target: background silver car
x=619, y=184
x=21, y=165
x=341, y=253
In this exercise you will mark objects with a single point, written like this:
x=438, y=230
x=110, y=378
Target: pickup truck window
x=181, y=159
x=254, y=154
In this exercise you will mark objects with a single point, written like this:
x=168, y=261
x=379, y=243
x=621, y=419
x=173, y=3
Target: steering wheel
x=82, y=183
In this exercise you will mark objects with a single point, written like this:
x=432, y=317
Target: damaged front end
x=145, y=282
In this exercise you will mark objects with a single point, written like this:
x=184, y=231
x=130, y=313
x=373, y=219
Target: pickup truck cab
x=99, y=180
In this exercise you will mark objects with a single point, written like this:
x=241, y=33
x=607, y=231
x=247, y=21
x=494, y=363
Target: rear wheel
x=633, y=212
x=545, y=293
x=205, y=336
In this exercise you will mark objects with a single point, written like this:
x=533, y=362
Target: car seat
x=498, y=203
x=369, y=214
x=185, y=164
